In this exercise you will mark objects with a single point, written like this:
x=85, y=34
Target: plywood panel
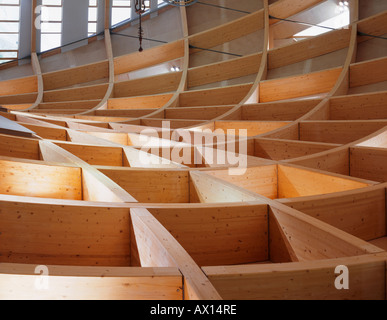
x=219, y=235
x=91, y=283
x=301, y=281
x=299, y=86
x=252, y=128
x=360, y=213
x=152, y=186
x=369, y=163
x=19, y=86
x=214, y=97
x=338, y=131
x=280, y=111
x=64, y=234
x=369, y=72
x=150, y=57
x=296, y=182
x=261, y=180
x=288, y=149
x=144, y=102
x=359, y=107
x=34, y=180
x=96, y=155
x=19, y=147
x=73, y=76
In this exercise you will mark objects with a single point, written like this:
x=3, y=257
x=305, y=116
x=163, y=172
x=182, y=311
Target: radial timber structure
x=77, y=197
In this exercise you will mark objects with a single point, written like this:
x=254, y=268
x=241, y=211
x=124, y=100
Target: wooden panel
x=225, y=70
x=369, y=72
x=96, y=155
x=144, y=102
x=279, y=247
x=360, y=213
x=64, y=234
x=281, y=111
x=359, y=107
x=119, y=138
x=308, y=49
x=19, y=99
x=336, y=161
x=152, y=186
x=214, y=235
x=214, y=97
x=34, y=180
x=338, y=131
x=375, y=25
x=73, y=105
x=299, y=86
x=196, y=113
x=19, y=147
x=369, y=163
x=118, y=115
x=76, y=94
x=149, y=57
x=157, y=248
x=253, y=128
x=207, y=189
x=19, y=86
x=73, y=76
x=91, y=283
x=314, y=240
x=261, y=180
x=229, y=31
x=295, y=182
x=288, y=149
x=146, y=86
x=301, y=281
x=47, y=132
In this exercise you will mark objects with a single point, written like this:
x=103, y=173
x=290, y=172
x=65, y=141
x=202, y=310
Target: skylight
x=341, y=20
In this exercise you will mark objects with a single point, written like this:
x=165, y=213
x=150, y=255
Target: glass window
x=121, y=11
x=9, y=30
x=93, y=17
x=51, y=24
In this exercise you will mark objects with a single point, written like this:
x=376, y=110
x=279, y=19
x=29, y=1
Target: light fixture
x=175, y=69
x=140, y=8
x=342, y=7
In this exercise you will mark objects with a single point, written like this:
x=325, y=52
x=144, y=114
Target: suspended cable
x=370, y=35
x=216, y=51
x=221, y=7
x=137, y=37
x=165, y=42
x=303, y=23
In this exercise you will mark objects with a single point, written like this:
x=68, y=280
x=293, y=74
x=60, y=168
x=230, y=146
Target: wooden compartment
x=43, y=181
x=284, y=181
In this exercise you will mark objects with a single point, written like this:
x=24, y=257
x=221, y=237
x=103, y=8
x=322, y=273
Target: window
x=9, y=30
x=93, y=17
x=341, y=19
x=121, y=11
x=51, y=24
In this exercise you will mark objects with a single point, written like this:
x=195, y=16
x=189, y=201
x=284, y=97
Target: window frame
x=12, y=57
x=42, y=21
